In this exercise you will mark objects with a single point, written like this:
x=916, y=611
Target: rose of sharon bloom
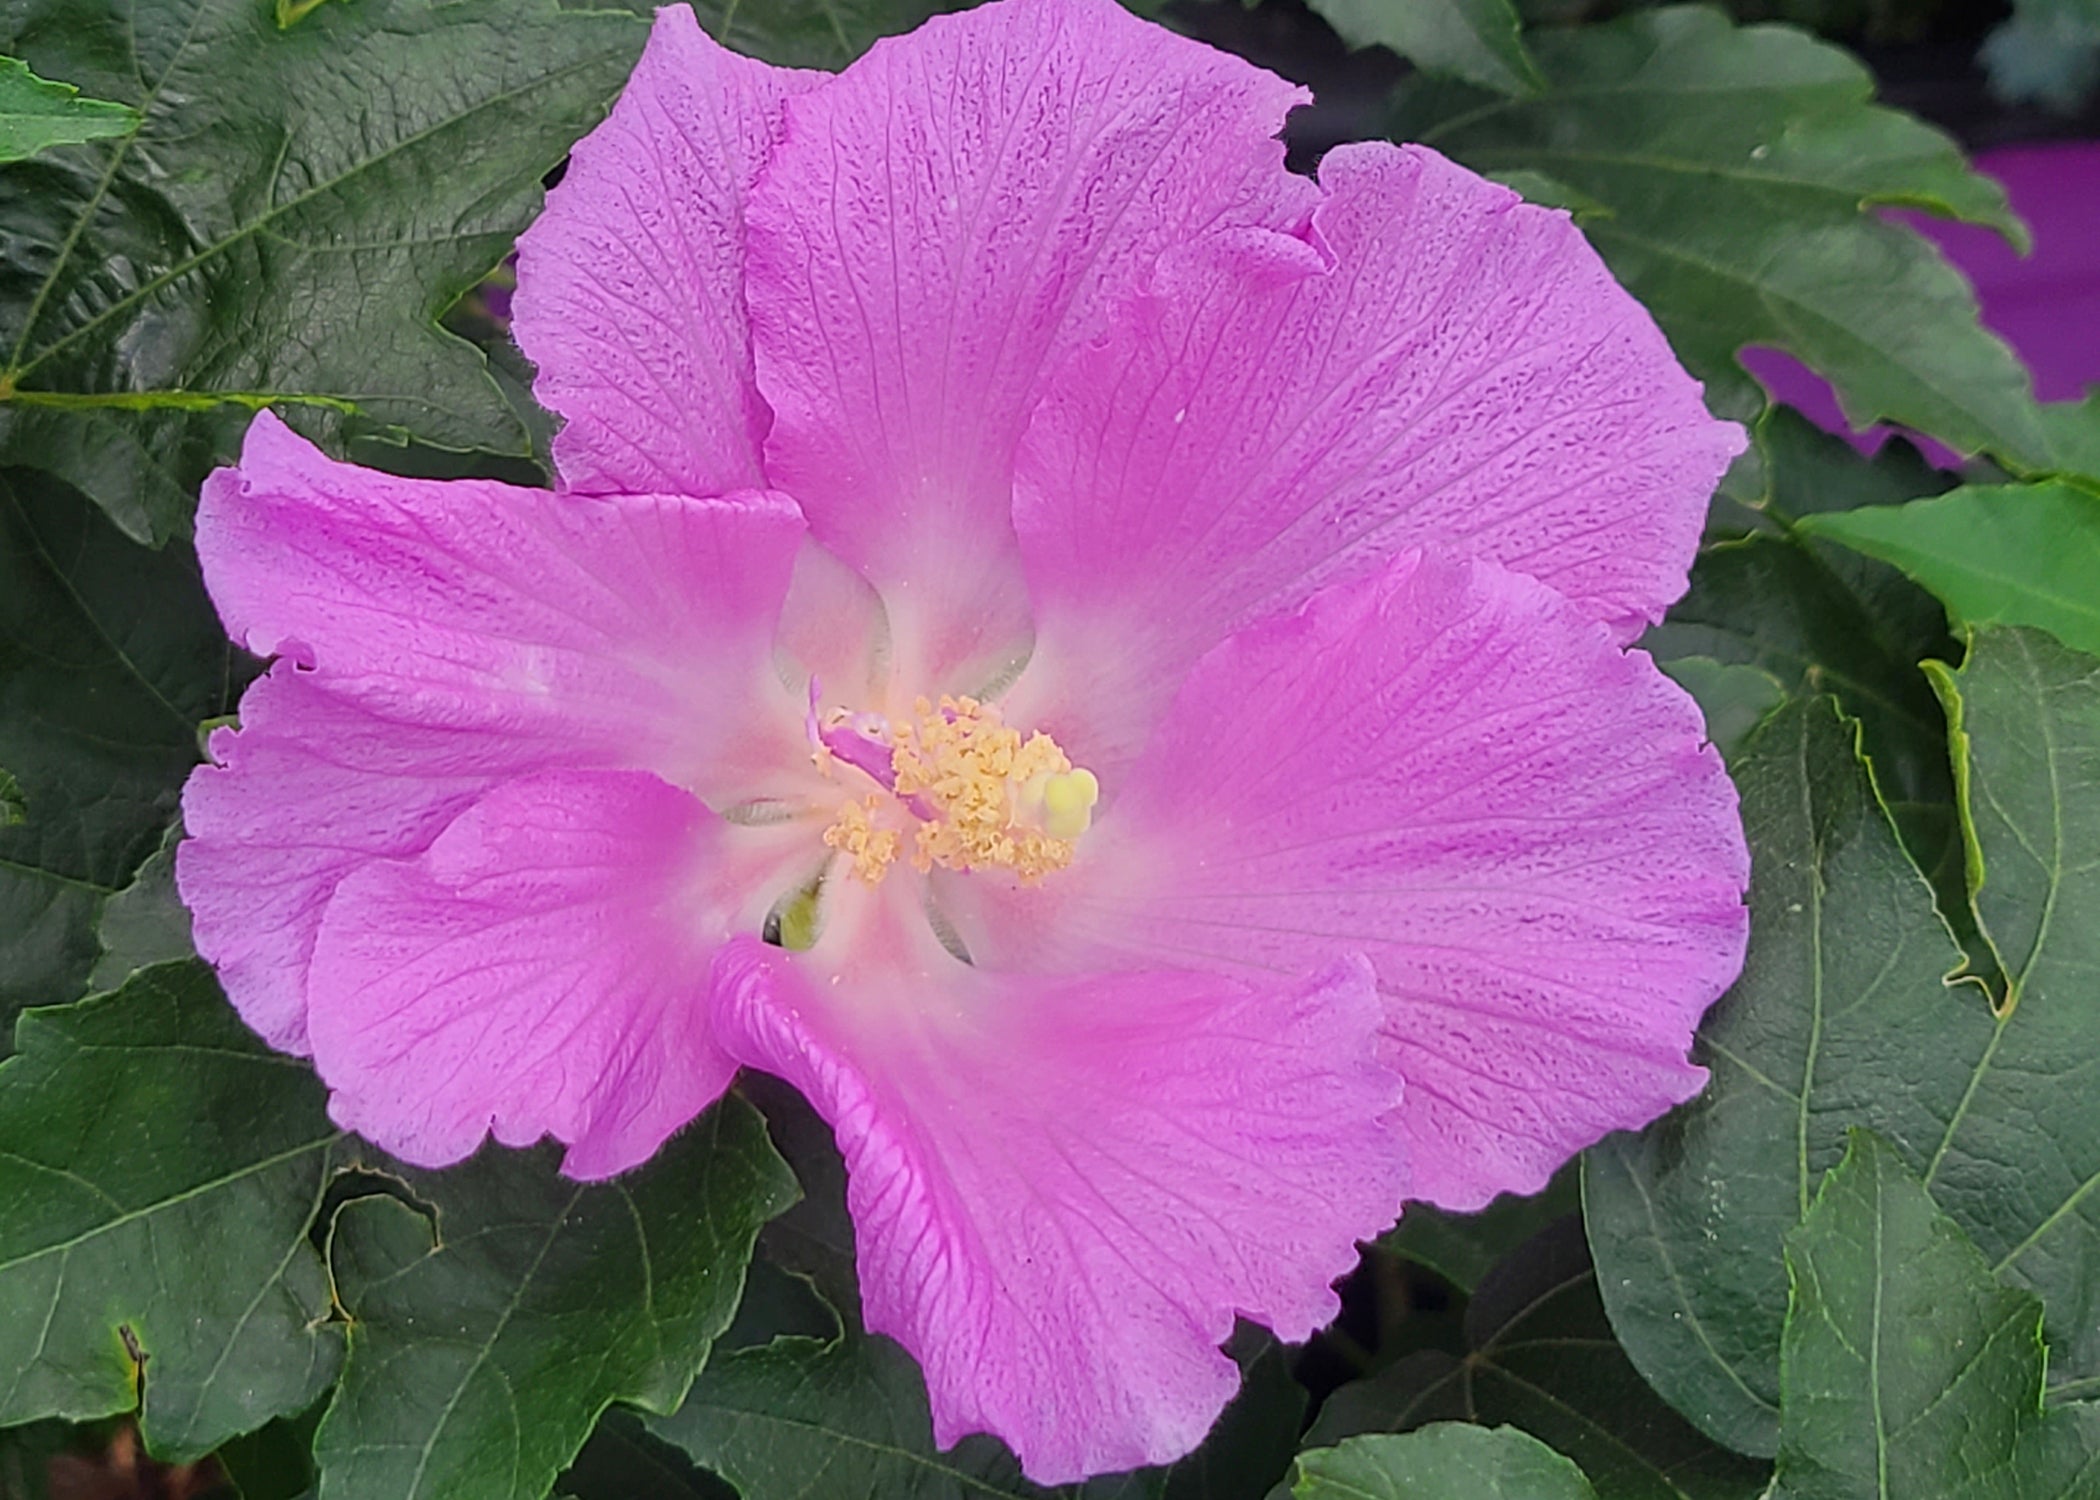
x=1098, y=660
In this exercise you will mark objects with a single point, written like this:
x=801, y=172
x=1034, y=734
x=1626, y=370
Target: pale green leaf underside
x=1445, y=1461
x=1994, y=554
x=37, y=114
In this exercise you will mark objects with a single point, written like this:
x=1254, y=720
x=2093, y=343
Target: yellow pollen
x=985, y=796
x=855, y=835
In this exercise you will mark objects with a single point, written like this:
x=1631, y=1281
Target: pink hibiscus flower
x=1142, y=632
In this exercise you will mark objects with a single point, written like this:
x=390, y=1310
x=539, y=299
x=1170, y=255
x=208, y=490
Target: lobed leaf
x=1840, y=991
x=1543, y=1359
x=489, y=1332
x=1841, y=1019
x=1739, y=166
x=159, y=1171
x=1909, y=1372
x=293, y=211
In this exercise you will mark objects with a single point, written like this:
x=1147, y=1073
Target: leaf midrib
x=218, y=247
x=161, y=1205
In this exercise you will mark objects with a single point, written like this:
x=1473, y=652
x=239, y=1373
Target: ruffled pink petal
x=1442, y=365
x=1449, y=769
x=1064, y=1190
x=631, y=283
x=540, y=970
x=310, y=788
x=942, y=223
x=630, y=631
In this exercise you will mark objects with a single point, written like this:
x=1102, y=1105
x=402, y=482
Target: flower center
x=973, y=793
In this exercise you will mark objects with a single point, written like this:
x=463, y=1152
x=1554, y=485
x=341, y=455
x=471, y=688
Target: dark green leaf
x=623, y=1462
x=484, y=1345
x=1910, y=1373
x=1840, y=992
x=1462, y=1248
x=274, y=1462
x=36, y=114
x=1543, y=1359
x=1537, y=187
x=2019, y=1160
x=1740, y=166
x=1445, y=1461
x=1735, y=698
x=1808, y=471
x=1249, y=1449
x=2017, y=554
x=297, y=207
x=25, y=1458
x=110, y=657
x=145, y=923
x=845, y=1419
x=11, y=809
x=1840, y=1019
x=810, y=33
x=1821, y=618
x=814, y=1238
x=1480, y=41
x=159, y=1171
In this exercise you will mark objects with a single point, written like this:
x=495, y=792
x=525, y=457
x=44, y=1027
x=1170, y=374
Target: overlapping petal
x=311, y=788
x=1437, y=363
x=629, y=631
x=944, y=221
x=1065, y=1189
x=631, y=283
x=540, y=969
x=1449, y=769
x=439, y=639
